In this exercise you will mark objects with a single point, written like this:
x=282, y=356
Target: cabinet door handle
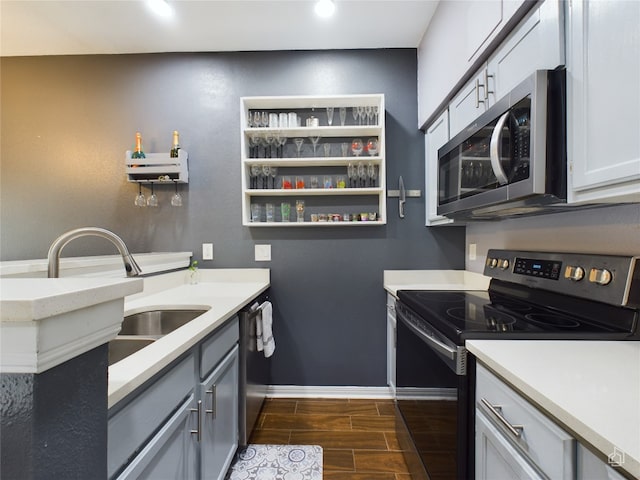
x=486, y=84
x=198, y=432
x=516, y=430
x=212, y=392
x=478, y=101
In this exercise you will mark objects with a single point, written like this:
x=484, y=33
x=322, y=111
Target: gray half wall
x=67, y=121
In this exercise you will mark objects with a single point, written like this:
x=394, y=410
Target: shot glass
x=300, y=210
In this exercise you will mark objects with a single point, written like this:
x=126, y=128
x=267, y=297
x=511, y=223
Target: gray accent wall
x=67, y=121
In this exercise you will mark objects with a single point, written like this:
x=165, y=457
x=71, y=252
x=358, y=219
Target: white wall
x=611, y=230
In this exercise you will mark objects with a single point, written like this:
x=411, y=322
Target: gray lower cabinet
x=182, y=424
x=219, y=425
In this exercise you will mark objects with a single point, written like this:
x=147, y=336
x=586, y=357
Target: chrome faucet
x=130, y=265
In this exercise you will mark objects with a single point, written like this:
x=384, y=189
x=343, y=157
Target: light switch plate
x=472, y=251
x=263, y=253
x=207, y=251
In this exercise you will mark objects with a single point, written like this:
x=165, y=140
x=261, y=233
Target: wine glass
x=274, y=172
x=367, y=112
x=352, y=173
x=152, y=201
x=255, y=172
x=140, y=200
x=314, y=142
x=298, y=141
x=357, y=146
x=343, y=115
x=371, y=172
x=257, y=119
x=354, y=112
x=360, y=115
x=329, y=116
x=254, y=145
x=176, y=200
x=269, y=140
x=376, y=111
x=372, y=146
x=265, y=119
x=281, y=140
x=362, y=173
x=266, y=173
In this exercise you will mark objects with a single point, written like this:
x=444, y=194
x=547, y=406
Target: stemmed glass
x=314, y=142
x=371, y=172
x=361, y=115
x=274, y=172
x=298, y=142
x=362, y=173
x=152, y=201
x=266, y=173
x=329, y=116
x=257, y=119
x=354, y=112
x=255, y=173
x=176, y=200
x=280, y=141
x=254, y=146
x=367, y=112
x=352, y=173
x=140, y=200
x=356, y=146
x=372, y=146
x=343, y=115
x=376, y=111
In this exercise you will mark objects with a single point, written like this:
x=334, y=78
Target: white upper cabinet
x=603, y=101
x=436, y=136
x=537, y=43
x=459, y=33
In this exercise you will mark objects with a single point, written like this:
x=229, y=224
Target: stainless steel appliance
x=254, y=371
x=532, y=295
x=512, y=159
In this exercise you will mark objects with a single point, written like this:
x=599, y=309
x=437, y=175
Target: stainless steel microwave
x=512, y=159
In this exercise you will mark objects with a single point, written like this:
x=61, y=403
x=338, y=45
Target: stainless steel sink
x=120, y=348
x=157, y=323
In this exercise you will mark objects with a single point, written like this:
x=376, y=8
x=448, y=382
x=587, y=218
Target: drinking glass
x=373, y=175
x=255, y=212
x=360, y=115
x=329, y=116
x=265, y=119
x=313, y=180
x=314, y=141
x=269, y=140
x=300, y=210
x=328, y=182
x=299, y=142
x=254, y=144
x=368, y=112
x=281, y=141
x=343, y=115
x=274, y=172
x=344, y=147
x=372, y=146
x=354, y=112
x=362, y=174
x=357, y=146
x=140, y=200
x=299, y=182
x=269, y=212
x=286, y=183
x=340, y=182
x=285, y=211
x=376, y=111
x=352, y=173
x=327, y=149
x=255, y=172
x=152, y=201
x=257, y=119
x=176, y=200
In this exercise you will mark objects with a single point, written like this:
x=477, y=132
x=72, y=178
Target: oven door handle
x=433, y=342
x=494, y=150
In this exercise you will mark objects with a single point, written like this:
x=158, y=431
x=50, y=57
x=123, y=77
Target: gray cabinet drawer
x=214, y=349
x=547, y=445
x=134, y=424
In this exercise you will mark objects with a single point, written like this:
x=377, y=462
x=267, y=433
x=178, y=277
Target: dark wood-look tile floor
x=358, y=437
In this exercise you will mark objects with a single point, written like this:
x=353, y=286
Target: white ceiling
x=65, y=27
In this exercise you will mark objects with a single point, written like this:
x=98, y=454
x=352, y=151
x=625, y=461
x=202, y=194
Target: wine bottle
x=176, y=145
x=138, y=153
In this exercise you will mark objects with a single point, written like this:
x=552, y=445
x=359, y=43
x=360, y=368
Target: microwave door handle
x=494, y=153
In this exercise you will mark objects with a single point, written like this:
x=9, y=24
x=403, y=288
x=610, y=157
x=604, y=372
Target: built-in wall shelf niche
x=158, y=168
x=299, y=148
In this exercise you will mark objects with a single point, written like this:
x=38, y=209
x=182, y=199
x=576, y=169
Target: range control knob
x=601, y=276
x=503, y=263
x=492, y=262
x=574, y=273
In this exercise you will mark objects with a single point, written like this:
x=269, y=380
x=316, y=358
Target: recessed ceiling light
x=160, y=7
x=325, y=8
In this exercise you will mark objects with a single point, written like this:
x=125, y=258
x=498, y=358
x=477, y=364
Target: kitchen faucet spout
x=131, y=267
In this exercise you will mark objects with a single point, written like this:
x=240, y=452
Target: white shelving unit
x=329, y=201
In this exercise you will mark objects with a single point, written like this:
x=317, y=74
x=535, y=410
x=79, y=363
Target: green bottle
x=138, y=153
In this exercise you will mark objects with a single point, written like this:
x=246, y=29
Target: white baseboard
x=297, y=391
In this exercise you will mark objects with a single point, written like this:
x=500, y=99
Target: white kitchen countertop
x=592, y=389
x=395, y=280
x=222, y=291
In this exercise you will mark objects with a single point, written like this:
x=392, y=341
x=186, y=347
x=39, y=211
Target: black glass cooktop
x=513, y=311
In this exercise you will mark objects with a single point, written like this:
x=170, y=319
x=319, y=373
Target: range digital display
x=538, y=268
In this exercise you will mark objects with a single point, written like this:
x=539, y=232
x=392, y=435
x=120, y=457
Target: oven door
x=432, y=401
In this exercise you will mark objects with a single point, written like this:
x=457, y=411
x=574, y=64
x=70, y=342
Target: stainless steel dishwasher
x=255, y=371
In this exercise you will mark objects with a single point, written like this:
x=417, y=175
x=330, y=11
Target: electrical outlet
x=472, y=251
x=263, y=253
x=207, y=251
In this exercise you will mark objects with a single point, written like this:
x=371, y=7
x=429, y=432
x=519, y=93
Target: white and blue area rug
x=277, y=462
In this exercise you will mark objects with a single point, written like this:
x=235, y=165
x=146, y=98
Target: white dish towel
x=264, y=330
